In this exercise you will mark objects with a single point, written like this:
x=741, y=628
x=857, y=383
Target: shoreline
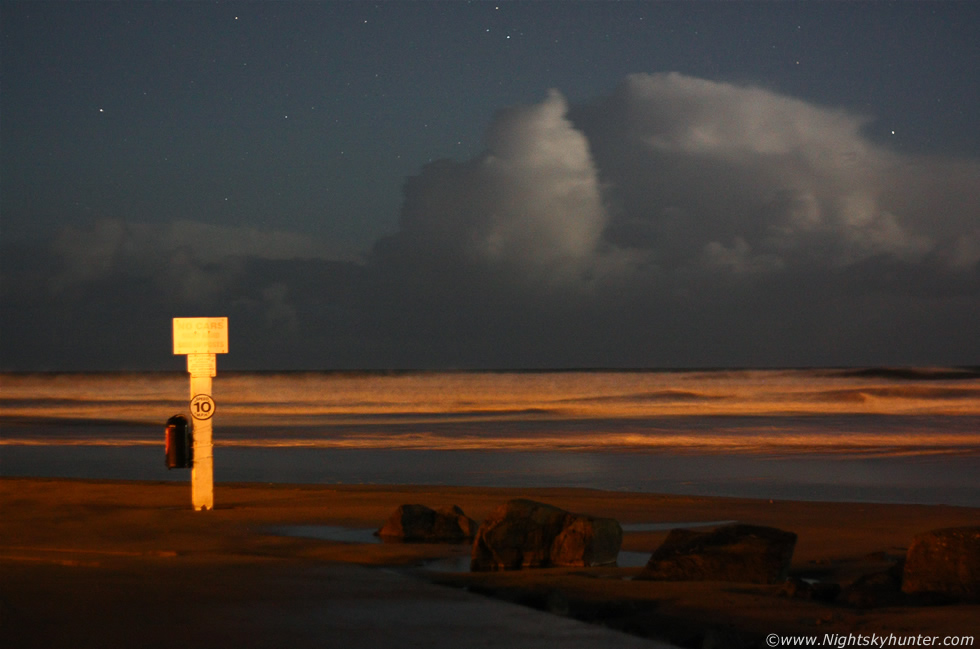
x=69, y=540
x=899, y=480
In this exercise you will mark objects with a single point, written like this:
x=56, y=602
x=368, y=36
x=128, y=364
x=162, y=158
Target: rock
x=528, y=534
x=740, y=553
x=421, y=524
x=587, y=541
x=876, y=589
x=517, y=535
x=944, y=562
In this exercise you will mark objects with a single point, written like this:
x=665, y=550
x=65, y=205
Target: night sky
x=441, y=185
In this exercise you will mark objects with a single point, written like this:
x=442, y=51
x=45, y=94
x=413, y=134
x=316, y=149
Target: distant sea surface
x=875, y=435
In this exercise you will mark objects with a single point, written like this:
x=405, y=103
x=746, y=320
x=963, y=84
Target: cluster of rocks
x=942, y=565
x=518, y=534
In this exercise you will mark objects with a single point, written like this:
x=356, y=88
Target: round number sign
x=202, y=406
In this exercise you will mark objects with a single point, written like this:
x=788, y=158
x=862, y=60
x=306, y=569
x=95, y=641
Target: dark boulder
x=421, y=524
x=876, y=589
x=945, y=563
x=528, y=534
x=738, y=553
x=587, y=541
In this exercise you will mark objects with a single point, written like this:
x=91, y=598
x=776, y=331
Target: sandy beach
x=119, y=563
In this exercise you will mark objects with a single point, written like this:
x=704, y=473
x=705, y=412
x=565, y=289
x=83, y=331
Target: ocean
x=872, y=435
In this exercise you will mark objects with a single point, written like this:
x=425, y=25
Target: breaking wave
x=855, y=412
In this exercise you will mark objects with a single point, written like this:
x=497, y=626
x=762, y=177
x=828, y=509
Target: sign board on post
x=200, y=336
x=200, y=339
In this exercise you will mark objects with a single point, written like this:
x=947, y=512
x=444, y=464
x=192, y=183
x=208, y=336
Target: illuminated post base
x=202, y=473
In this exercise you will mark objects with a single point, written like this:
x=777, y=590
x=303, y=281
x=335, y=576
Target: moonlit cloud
x=532, y=200
x=702, y=171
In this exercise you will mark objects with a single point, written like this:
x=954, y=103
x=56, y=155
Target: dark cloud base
x=350, y=316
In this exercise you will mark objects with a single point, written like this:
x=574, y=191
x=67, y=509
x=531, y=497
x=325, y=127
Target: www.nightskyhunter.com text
x=873, y=640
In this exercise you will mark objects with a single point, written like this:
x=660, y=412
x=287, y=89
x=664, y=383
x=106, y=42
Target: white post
x=201, y=339
x=202, y=473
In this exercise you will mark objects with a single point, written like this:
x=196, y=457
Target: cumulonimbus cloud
x=531, y=200
x=672, y=172
x=703, y=171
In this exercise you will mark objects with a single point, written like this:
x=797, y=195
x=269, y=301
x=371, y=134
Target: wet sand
x=120, y=564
